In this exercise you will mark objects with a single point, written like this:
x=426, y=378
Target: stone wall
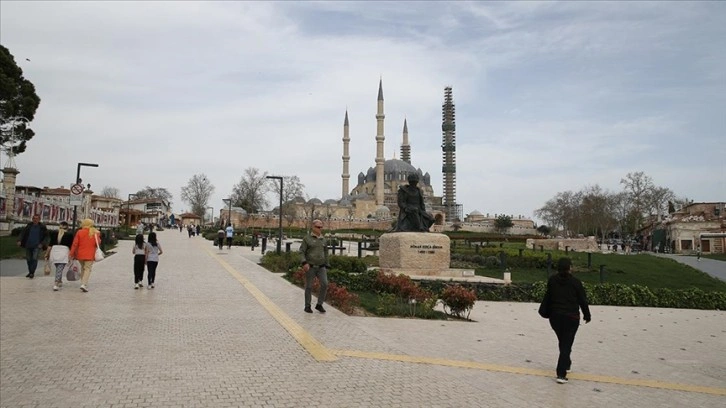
x=588, y=244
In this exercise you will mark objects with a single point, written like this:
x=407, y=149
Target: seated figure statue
x=412, y=216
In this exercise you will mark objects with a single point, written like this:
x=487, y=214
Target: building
x=53, y=206
x=154, y=211
x=374, y=197
x=684, y=230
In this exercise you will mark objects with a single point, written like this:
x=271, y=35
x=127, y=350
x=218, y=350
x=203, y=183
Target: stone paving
x=220, y=331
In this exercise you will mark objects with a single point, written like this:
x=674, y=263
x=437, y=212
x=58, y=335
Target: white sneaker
x=136, y=286
x=141, y=285
x=561, y=380
x=55, y=288
x=84, y=288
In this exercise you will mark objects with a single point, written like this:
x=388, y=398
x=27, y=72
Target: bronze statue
x=412, y=216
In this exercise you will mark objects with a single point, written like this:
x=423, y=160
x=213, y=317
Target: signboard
x=77, y=194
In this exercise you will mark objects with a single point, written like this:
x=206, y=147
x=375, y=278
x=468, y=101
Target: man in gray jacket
x=314, y=254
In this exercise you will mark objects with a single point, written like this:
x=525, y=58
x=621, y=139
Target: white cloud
x=550, y=96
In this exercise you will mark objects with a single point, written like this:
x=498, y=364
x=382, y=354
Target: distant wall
x=588, y=244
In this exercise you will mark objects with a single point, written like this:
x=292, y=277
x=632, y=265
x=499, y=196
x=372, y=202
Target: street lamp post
x=279, y=238
x=228, y=201
x=212, y=208
x=78, y=181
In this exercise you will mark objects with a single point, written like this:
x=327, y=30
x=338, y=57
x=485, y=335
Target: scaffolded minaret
x=405, y=147
x=448, y=128
x=346, y=156
x=380, y=159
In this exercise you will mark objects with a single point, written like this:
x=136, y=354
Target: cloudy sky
x=549, y=96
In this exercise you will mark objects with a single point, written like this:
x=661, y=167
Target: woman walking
x=84, y=250
x=564, y=298
x=152, y=250
x=139, y=251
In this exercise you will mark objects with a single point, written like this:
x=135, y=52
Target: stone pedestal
x=417, y=254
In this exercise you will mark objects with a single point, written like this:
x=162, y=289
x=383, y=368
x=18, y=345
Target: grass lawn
x=9, y=248
x=641, y=269
x=371, y=303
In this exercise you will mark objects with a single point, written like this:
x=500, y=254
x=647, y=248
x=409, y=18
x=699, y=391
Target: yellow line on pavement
x=529, y=371
x=309, y=343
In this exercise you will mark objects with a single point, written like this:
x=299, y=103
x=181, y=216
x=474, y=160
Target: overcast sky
x=549, y=96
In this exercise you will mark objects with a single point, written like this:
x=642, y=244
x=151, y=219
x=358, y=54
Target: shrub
x=458, y=300
x=337, y=295
x=283, y=262
x=347, y=264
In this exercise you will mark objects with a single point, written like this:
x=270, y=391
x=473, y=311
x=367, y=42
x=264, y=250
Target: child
x=152, y=250
x=139, y=251
x=59, y=257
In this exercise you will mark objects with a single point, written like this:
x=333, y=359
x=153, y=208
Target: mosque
x=375, y=194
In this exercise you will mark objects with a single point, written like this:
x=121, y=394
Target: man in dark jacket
x=566, y=296
x=33, y=238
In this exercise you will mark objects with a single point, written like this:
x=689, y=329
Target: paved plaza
x=220, y=331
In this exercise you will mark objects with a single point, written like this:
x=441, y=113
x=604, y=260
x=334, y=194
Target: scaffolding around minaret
x=448, y=146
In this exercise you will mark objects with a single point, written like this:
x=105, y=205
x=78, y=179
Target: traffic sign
x=76, y=194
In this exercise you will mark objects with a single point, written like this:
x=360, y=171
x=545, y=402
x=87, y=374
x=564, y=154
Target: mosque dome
x=315, y=201
x=345, y=202
x=475, y=212
x=330, y=201
x=395, y=169
x=383, y=212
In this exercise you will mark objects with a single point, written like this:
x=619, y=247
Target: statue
x=412, y=216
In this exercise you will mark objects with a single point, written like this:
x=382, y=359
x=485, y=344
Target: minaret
x=380, y=159
x=405, y=147
x=346, y=156
x=448, y=147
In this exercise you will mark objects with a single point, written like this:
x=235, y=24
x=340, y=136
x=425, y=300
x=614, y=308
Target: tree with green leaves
x=543, y=229
x=197, y=193
x=18, y=103
x=250, y=192
x=503, y=223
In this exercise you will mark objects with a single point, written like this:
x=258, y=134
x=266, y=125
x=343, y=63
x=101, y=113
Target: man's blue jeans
x=31, y=256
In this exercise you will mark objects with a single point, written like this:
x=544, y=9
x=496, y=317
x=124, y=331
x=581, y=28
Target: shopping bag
x=99, y=254
x=73, y=270
x=46, y=268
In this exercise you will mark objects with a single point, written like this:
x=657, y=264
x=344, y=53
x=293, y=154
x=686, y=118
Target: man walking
x=32, y=239
x=314, y=254
x=230, y=234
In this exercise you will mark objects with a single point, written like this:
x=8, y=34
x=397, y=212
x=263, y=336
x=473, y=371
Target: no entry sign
x=77, y=194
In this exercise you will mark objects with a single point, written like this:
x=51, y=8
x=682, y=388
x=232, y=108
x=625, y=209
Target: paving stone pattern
x=200, y=339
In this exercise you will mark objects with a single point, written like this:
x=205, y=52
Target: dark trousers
x=565, y=327
x=151, y=265
x=322, y=275
x=31, y=257
x=229, y=242
x=139, y=268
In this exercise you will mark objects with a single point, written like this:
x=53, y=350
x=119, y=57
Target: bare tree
x=111, y=192
x=250, y=192
x=197, y=193
x=155, y=192
x=311, y=211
